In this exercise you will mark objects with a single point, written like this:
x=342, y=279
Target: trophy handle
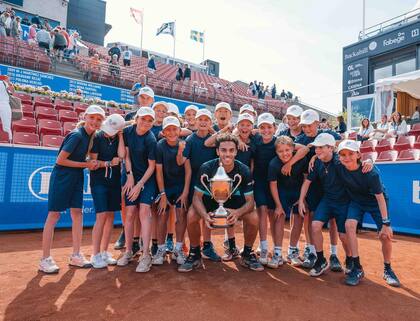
x=204, y=184
x=237, y=185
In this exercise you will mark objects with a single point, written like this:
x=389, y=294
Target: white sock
x=178, y=246
x=312, y=249
x=333, y=249
x=226, y=235
x=264, y=245
x=277, y=250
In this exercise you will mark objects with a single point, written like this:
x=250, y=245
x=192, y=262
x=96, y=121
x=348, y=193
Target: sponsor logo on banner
x=394, y=41
x=373, y=45
x=357, y=53
x=39, y=183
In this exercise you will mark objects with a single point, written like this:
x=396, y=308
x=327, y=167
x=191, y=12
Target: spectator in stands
x=72, y=47
x=32, y=35
x=79, y=92
x=324, y=124
x=398, y=126
x=43, y=38
x=114, y=50
x=381, y=129
x=283, y=94
x=289, y=95
x=127, y=56
x=59, y=44
x=25, y=21
x=416, y=115
x=16, y=29
x=114, y=67
x=187, y=73
x=341, y=127
x=365, y=129
x=283, y=125
x=251, y=89
x=151, y=64
x=3, y=18
x=179, y=74
x=202, y=89
x=35, y=20
x=136, y=88
x=5, y=109
x=8, y=23
x=273, y=91
x=92, y=67
x=46, y=25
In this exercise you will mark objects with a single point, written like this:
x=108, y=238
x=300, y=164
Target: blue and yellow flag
x=197, y=36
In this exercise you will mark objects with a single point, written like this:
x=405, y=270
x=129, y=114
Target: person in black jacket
x=114, y=50
x=179, y=74
x=187, y=72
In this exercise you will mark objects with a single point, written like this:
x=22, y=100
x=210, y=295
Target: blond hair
x=80, y=124
x=284, y=140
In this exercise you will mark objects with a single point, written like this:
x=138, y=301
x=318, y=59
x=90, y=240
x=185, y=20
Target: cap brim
x=109, y=131
x=264, y=122
x=292, y=114
x=348, y=148
x=168, y=125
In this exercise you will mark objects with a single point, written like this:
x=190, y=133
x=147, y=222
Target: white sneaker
x=275, y=261
x=107, y=257
x=79, y=260
x=48, y=265
x=179, y=256
x=125, y=259
x=98, y=262
x=159, y=257
x=293, y=259
x=145, y=262
x=263, y=257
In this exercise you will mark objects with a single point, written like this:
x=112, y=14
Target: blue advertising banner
x=91, y=90
x=25, y=173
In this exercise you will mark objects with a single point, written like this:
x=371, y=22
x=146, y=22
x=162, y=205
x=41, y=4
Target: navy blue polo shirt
x=306, y=140
x=142, y=148
x=246, y=156
x=156, y=130
x=107, y=149
x=287, y=133
x=326, y=173
x=262, y=156
x=173, y=175
x=287, y=184
x=76, y=144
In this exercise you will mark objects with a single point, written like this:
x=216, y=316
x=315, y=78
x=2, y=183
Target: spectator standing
x=8, y=23
x=16, y=29
x=114, y=67
x=3, y=19
x=251, y=89
x=135, y=90
x=187, y=73
x=25, y=21
x=151, y=64
x=179, y=74
x=46, y=25
x=35, y=20
x=365, y=130
x=127, y=56
x=273, y=91
x=283, y=94
x=5, y=109
x=32, y=34
x=43, y=38
x=59, y=44
x=416, y=115
x=73, y=48
x=115, y=50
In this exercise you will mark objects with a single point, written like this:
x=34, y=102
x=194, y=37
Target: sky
x=295, y=44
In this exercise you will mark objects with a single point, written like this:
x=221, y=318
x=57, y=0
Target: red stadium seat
x=404, y=142
x=417, y=143
x=28, y=111
x=68, y=127
x=26, y=124
x=4, y=137
x=49, y=127
x=387, y=156
x=369, y=155
x=67, y=116
x=24, y=98
x=52, y=140
x=20, y=138
x=368, y=146
x=385, y=144
x=409, y=154
x=45, y=113
x=43, y=101
x=80, y=107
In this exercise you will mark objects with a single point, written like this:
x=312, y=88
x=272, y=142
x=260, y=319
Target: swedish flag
x=197, y=36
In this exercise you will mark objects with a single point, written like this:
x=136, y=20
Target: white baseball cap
x=223, y=105
x=170, y=121
x=163, y=103
x=112, y=124
x=172, y=108
x=294, y=111
x=350, y=145
x=145, y=111
x=247, y=107
x=308, y=117
x=246, y=117
x=323, y=139
x=203, y=112
x=95, y=109
x=265, y=118
x=191, y=107
x=147, y=91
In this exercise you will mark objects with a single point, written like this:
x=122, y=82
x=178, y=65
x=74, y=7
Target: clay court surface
x=220, y=292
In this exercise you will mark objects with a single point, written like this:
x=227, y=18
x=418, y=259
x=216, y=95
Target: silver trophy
x=221, y=189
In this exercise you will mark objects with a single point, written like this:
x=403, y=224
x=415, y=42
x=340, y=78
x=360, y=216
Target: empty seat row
x=392, y=155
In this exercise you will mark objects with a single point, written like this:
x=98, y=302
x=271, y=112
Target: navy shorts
x=106, y=198
x=66, y=189
x=313, y=197
x=356, y=212
x=173, y=193
x=262, y=194
x=287, y=201
x=146, y=196
x=328, y=209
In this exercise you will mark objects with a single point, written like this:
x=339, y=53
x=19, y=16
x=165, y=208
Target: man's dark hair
x=226, y=137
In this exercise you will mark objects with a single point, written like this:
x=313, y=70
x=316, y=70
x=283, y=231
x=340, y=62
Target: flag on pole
x=168, y=28
x=197, y=36
x=137, y=15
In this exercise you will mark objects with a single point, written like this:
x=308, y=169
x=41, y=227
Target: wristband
x=129, y=172
x=386, y=222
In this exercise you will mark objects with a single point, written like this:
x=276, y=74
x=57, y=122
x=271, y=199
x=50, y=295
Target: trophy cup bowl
x=221, y=189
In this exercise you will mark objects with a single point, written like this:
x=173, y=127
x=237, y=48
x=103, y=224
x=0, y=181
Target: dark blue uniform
x=66, y=183
x=362, y=189
x=288, y=186
x=335, y=200
x=263, y=154
x=156, y=130
x=142, y=149
x=173, y=175
x=237, y=199
x=246, y=156
x=105, y=184
x=287, y=133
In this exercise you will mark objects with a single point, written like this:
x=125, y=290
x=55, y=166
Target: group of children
x=147, y=166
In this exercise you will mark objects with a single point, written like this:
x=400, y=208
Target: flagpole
x=174, y=41
x=141, y=39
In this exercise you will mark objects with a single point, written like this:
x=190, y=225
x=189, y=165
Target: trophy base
x=220, y=222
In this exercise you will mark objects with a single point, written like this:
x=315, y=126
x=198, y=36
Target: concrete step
x=67, y=69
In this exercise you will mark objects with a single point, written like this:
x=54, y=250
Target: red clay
x=220, y=292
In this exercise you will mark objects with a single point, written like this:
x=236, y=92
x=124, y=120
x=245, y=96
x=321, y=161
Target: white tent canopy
x=408, y=83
